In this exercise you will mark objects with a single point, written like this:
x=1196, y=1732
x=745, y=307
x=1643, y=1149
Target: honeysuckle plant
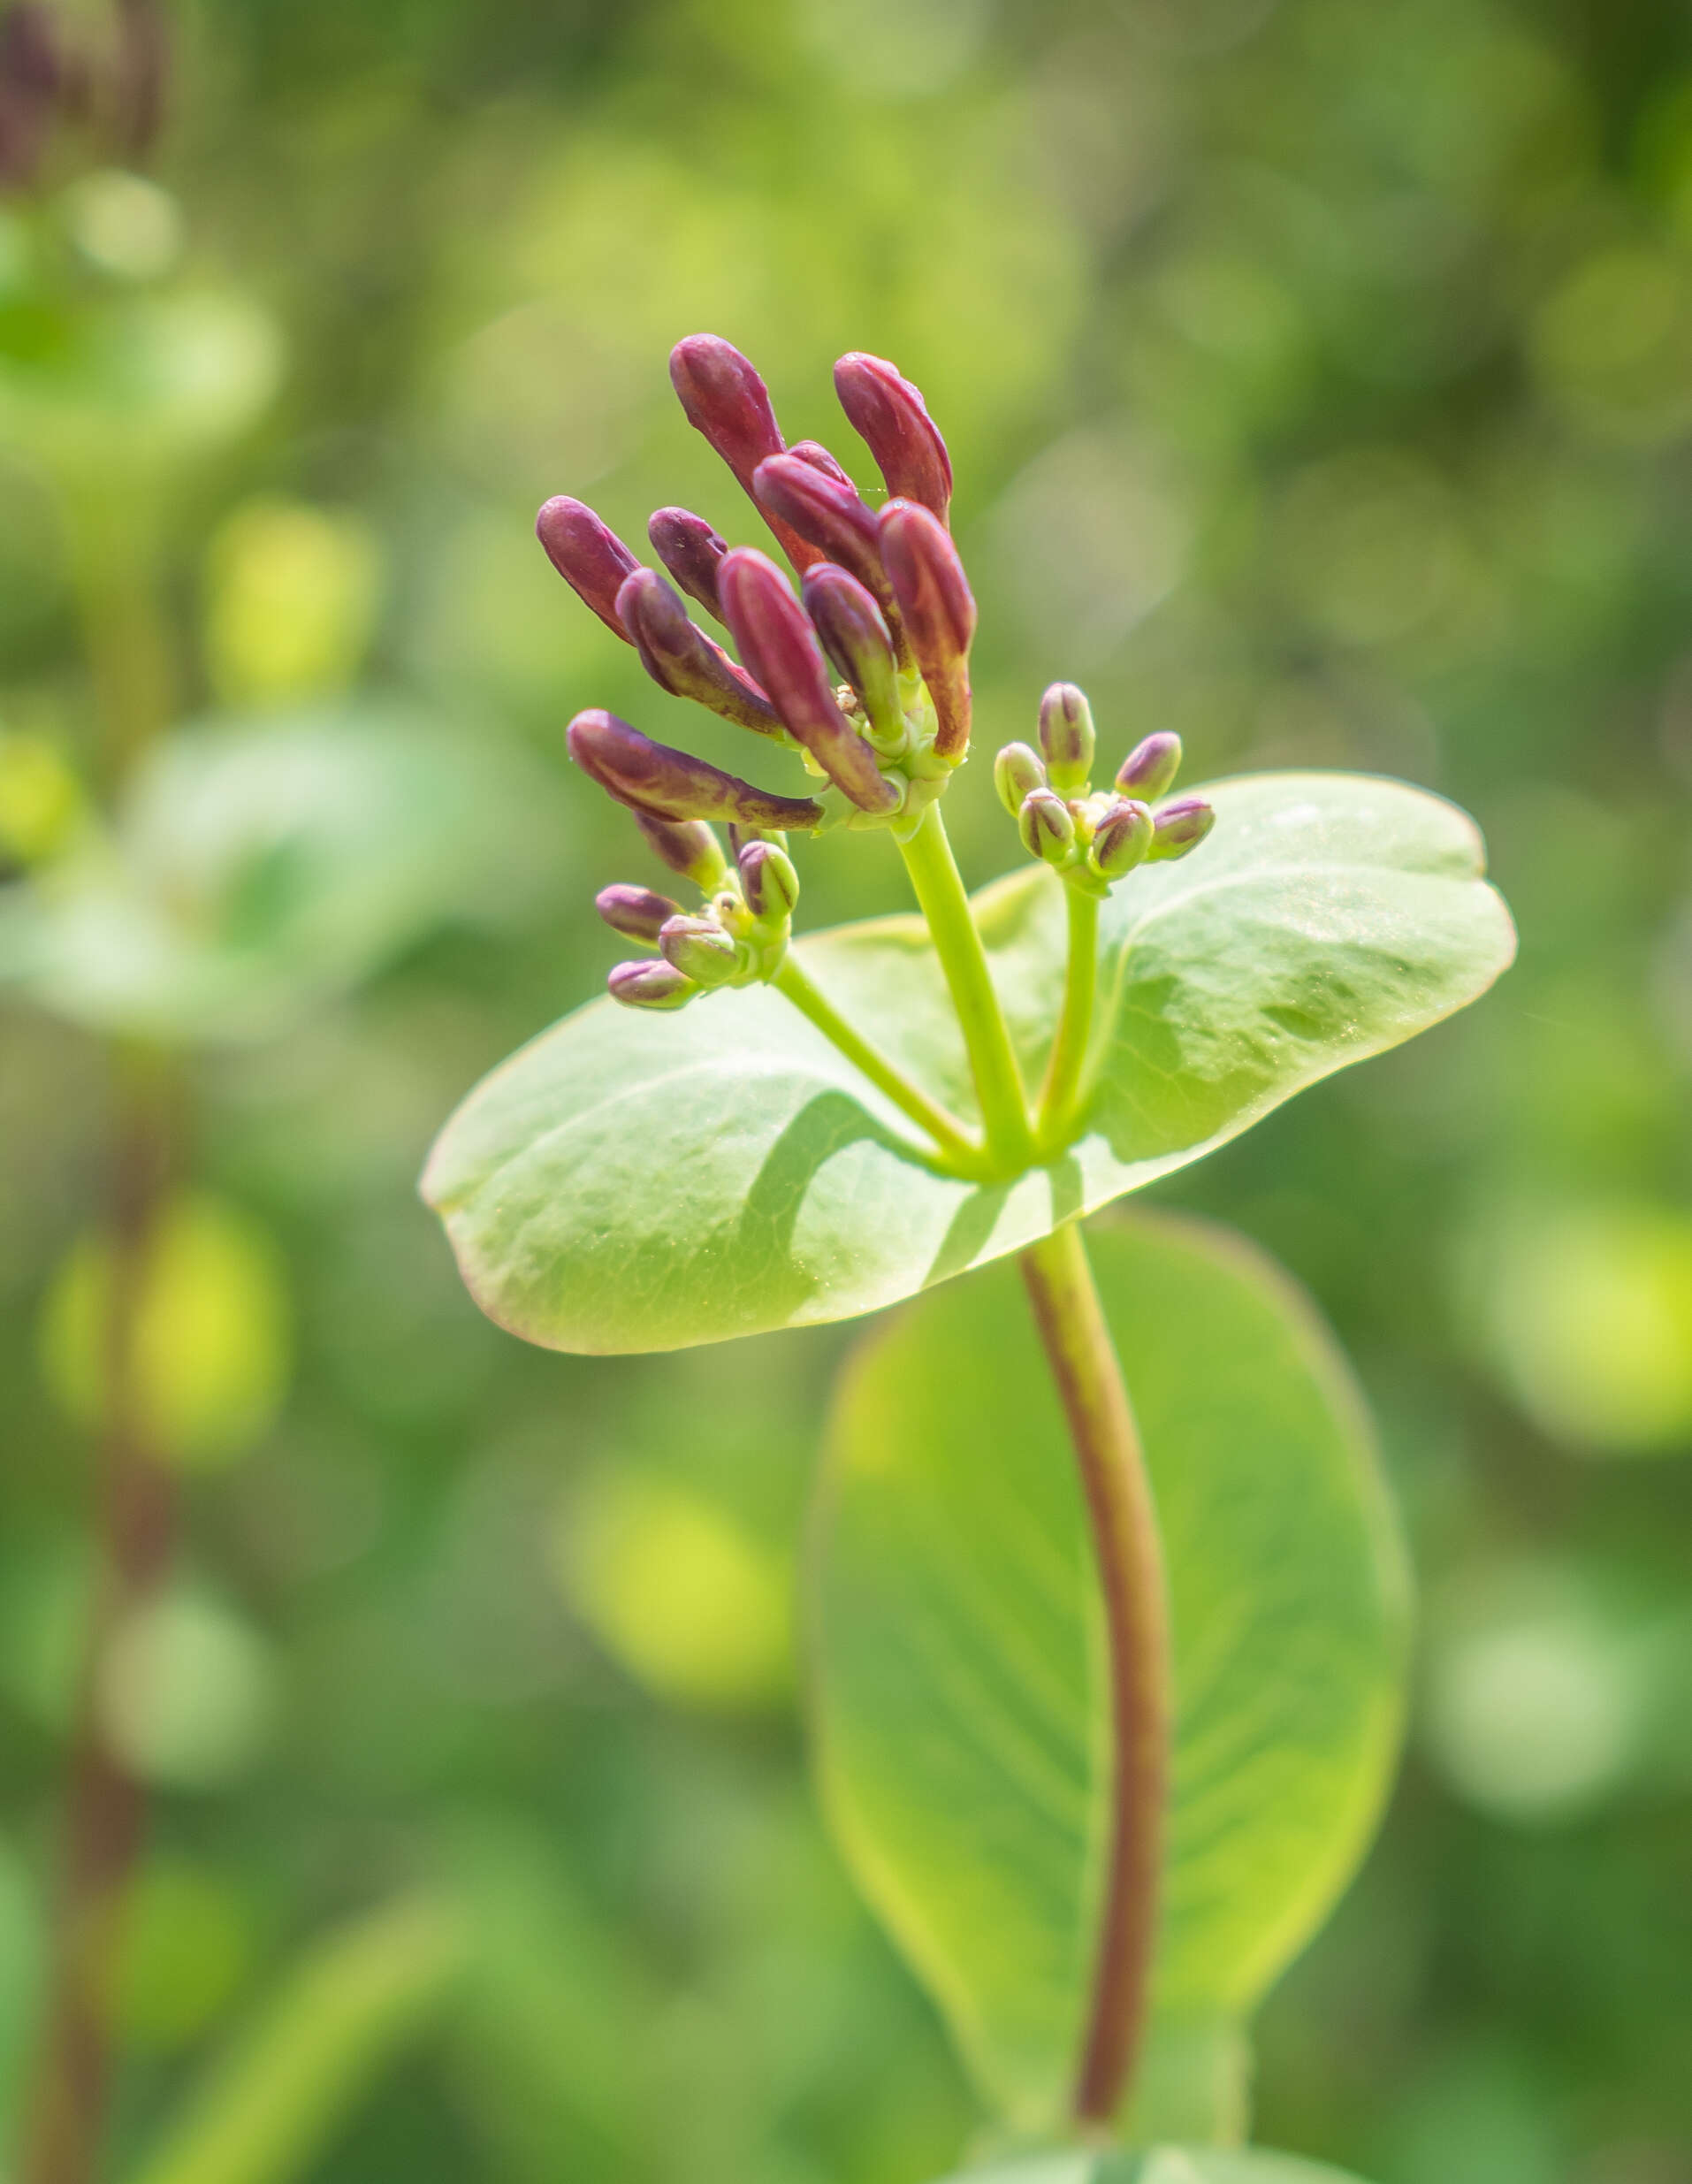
x=1105, y=1690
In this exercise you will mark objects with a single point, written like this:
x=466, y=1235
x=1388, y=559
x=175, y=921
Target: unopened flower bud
x=699, y=949
x=768, y=882
x=1066, y=736
x=827, y=512
x=893, y=421
x=938, y=611
x=682, y=659
x=1016, y=772
x=649, y=985
x=817, y=455
x=778, y=644
x=1150, y=767
x=587, y=553
x=1046, y=826
x=686, y=846
x=1122, y=838
x=690, y=550
x=1180, y=827
x=636, y=913
x=854, y=634
x=725, y=400
x=649, y=776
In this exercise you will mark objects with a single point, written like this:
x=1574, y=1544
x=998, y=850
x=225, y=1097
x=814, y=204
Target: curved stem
x=1084, y=1363
x=1075, y=1024
x=908, y=1098
x=993, y=1060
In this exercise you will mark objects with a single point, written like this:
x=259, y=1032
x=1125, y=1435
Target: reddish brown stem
x=1083, y=1359
x=105, y=1806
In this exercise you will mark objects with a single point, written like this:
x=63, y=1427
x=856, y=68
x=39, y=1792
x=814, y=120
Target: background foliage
x=1319, y=378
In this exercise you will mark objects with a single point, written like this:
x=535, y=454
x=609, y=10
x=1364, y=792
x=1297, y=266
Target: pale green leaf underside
x=640, y=1182
x=959, y=1678
x=1160, y=2164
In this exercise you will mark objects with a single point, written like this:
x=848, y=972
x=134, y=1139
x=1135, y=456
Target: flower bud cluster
x=1094, y=838
x=865, y=674
x=739, y=935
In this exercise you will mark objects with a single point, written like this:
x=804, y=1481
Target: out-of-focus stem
x=1123, y=1520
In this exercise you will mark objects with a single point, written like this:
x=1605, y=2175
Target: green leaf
x=268, y=2106
x=959, y=1676
x=1160, y=2164
x=261, y=867
x=636, y=1182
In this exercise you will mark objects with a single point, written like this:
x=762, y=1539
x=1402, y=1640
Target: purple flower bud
x=855, y=637
x=1122, y=838
x=649, y=776
x=1150, y=767
x=725, y=399
x=1066, y=736
x=891, y=419
x=768, y=882
x=939, y=614
x=690, y=550
x=1180, y=827
x=1018, y=771
x=636, y=913
x=682, y=659
x=699, y=949
x=827, y=511
x=778, y=644
x=1046, y=826
x=686, y=846
x=650, y=985
x=587, y=553
x=817, y=455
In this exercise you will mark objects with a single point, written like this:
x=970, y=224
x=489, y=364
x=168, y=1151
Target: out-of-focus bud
x=939, y=614
x=891, y=418
x=1018, y=771
x=587, y=553
x=686, y=846
x=682, y=659
x=649, y=776
x=827, y=512
x=690, y=550
x=777, y=642
x=768, y=882
x=1066, y=736
x=649, y=985
x=854, y=634
x=1122, y=838
x=1150, y=767
x=725, y=400
x=636, y=913
x=32, y=75
x=699, y=949
x=1180, y=827
x=1047, y=827
x=817, y=455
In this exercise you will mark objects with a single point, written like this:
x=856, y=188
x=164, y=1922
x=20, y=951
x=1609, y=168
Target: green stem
x=908, y=1098
x=993, y=1060
x=1083, y=1358
x=1074, y=1023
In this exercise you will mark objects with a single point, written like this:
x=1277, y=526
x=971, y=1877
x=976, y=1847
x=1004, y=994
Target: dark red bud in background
x=691, y=551
x=854, y=635
x=587, y=553
x=725, y=400
x=778, y=644
x=938, y=611
x=891, y=418
x=651, y=777
x=682, y=659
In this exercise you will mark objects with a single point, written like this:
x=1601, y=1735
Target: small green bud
x=700, y=949
x=1149, y=769
x=1018, y=771
x=1180, y=828
x=650, y=985
x=768, y=882
x=1047, y=827
x=1066, y=736
x=1122, y=838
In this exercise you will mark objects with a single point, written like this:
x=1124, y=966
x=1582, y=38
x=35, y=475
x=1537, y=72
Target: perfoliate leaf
x=635, y=1182
x=960, y=1677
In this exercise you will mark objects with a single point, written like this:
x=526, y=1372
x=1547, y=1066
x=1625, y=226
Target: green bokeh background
x=1318, y=379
